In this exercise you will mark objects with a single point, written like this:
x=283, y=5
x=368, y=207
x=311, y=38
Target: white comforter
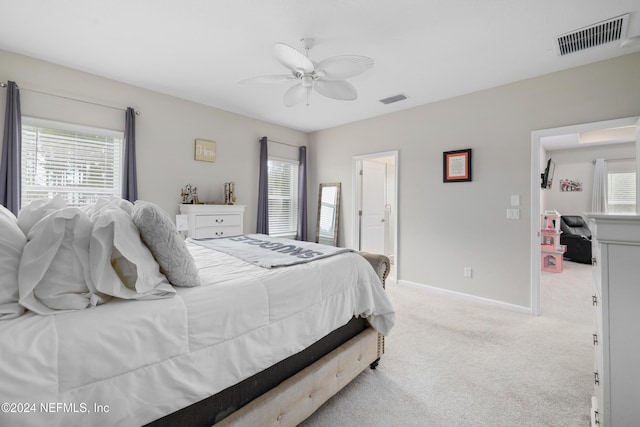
x=126, y=363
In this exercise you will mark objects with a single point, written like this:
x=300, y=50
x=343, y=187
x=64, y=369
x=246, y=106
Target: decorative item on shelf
x=229, y=193
x=189, y=195
x=456, y=166
x=205, y=150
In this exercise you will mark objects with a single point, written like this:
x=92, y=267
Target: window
x=78, y=163
x=283, y=197
x=621, y=197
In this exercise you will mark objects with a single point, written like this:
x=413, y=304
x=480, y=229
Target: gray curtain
x=301, y=233
x=263, y=189
x=129, y=172
x=11, y=151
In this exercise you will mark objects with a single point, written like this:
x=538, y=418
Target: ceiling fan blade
x=336, y=89
x=272, y=78
x=343, y=66
x=296, y=94
x=292, y=59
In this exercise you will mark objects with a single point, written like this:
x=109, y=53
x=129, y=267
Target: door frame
x=536, y=146
x=357, y=202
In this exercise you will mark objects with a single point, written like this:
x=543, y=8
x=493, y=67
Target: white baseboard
x=468, y=297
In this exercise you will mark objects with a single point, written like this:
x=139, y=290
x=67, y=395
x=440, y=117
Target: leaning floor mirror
x=328, y=214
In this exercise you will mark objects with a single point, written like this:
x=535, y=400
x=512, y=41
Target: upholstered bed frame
x=289, y=392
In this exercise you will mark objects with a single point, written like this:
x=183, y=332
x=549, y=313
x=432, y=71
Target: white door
x=372, y=232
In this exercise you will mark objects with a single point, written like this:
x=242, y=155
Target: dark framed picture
x=456, y=166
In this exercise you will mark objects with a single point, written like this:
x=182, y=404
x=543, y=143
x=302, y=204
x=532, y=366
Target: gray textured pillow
x=160, y=235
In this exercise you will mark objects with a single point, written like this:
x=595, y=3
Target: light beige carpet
x=452, y=362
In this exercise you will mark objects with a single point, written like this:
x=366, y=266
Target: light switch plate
x=513, y=213
x=515, y=200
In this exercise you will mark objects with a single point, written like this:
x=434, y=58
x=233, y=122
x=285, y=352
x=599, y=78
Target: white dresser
x=206, y=221
x=616, y=339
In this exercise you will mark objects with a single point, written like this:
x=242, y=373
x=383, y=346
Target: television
x=547, y=176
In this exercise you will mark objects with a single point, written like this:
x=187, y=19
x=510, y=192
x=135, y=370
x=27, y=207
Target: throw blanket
x=270, y=252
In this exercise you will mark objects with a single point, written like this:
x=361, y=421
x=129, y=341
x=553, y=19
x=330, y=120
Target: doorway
x=375, y=202
x=538, y=154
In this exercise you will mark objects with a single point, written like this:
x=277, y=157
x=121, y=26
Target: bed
x=206, y=338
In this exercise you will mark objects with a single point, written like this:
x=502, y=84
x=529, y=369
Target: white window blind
x=283, y=197
x=76, y=162
x=621, y=188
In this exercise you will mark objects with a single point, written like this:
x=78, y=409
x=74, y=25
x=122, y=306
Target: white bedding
x=126, y=363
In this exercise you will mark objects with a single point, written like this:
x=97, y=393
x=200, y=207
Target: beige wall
x=446, y=227
x=165, y=131
x=442, y=227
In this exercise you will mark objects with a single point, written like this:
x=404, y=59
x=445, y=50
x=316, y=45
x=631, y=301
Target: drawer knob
x=594, y=261
x=219, y=221
x=219, y=233
x=596, y=378
x=594, y=300
x=595, y=339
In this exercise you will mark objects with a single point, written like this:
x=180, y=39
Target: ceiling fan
x=327, y=77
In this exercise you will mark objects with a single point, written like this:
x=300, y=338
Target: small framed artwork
x=205, y=150
x=456, y=166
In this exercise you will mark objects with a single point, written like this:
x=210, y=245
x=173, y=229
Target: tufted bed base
x=298, y=397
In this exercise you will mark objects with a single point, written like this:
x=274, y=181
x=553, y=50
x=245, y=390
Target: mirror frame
x=336, y=219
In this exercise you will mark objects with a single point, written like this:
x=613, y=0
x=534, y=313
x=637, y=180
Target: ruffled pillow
x=160, y=235
x=54, y=274
x=12, y=241
x=121, y=265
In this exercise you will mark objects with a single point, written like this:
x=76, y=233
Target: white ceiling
x=197, y=49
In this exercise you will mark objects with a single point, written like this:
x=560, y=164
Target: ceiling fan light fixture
x=327, y=77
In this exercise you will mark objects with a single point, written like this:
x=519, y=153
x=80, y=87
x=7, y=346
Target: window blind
x=78, y=163
x=621, y=188
x=283, y=197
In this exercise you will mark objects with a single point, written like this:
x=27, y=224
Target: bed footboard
x=298, y=397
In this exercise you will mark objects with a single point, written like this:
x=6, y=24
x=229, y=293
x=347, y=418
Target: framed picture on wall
x=205, y=150
x=456, y=166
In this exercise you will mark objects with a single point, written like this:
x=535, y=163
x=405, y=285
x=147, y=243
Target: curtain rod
x=616, y=160
x=283, y=143
x=4, y=85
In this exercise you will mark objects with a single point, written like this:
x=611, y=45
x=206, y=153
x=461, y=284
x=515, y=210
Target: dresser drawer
x=211, y=232
x=217, y=220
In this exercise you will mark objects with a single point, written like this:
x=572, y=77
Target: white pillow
x=123, y=204
x=54, y=268
x=36, y=210
x=12, y=241
x=159, y=233
x=121, y=265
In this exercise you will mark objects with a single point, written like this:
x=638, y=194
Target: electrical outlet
x=468, y=271
x=513, y=213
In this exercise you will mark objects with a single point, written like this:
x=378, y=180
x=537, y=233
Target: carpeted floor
x=452, y=362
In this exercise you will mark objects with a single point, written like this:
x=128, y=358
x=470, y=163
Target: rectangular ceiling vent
x=594, y=35
x=394, y=98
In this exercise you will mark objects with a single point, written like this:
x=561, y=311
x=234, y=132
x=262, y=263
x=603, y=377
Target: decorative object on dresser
x=189, y=194
x=204, y=150
x=206, y=221
x=552, y=250
x=229, y=193
x=616, y=252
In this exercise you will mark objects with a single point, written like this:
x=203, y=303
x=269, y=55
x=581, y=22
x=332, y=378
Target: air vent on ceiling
x=594, y=35
x=394, y=98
